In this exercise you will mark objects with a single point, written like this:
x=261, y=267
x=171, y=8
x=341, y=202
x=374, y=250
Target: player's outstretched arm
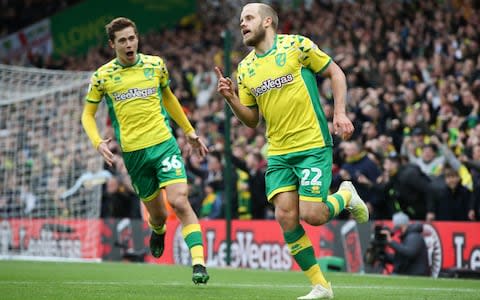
x=341, y=123
x=248, y=116
x=90, y=127
x=175, y=110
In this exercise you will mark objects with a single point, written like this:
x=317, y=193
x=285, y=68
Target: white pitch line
x=244, y=285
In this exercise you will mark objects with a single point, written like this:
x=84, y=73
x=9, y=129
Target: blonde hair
x=266, y=11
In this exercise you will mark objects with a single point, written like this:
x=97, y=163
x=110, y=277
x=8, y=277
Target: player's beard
x=257, y=36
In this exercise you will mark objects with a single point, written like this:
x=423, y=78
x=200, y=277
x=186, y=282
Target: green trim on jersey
x=128, y=66
x=326, y=66
x=113, y=118
x=311, y=83
x=274, y=47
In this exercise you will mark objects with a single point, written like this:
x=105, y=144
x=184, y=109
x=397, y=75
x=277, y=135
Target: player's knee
x=179, y=201
x=158, y=217
x=315, y=217
x=286, y=218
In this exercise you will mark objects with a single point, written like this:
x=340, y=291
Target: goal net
x=50, y=176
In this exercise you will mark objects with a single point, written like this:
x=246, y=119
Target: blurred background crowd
x=413, y=72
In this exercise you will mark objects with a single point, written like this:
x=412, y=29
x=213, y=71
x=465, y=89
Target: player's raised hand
x=225, y=85
x=343, y=126
x=104, y=150
x=196, y=143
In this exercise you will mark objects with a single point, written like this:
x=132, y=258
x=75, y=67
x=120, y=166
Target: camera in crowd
x=375, y=253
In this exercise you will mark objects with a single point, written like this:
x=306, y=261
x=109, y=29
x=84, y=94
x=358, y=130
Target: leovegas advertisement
x=53, y=238
x=460, y=244
x=255, y=244
x=260, y=244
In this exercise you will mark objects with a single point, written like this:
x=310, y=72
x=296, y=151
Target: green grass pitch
x=49, y=280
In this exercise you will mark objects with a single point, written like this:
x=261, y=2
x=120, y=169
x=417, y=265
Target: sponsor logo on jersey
x=135, y=93
x=269, y=84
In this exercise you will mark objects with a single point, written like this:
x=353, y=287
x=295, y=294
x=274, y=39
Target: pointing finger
x=218, y=72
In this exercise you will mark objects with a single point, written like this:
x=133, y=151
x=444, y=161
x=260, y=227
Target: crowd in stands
x=17, y=14
x=413, y=72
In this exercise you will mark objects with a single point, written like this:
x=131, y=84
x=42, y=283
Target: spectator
x=361, y=170
x=254, y=166
x=453, y=201
x=120, y=200
x=429, y=161
x=212, y=203
x=403, y=187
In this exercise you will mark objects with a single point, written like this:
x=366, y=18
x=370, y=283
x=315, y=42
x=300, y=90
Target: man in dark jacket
x=411, y=254
x=361, y=170
x=404, y=188
x=453, y=201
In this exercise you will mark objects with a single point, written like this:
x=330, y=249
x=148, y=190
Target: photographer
x=411, y=254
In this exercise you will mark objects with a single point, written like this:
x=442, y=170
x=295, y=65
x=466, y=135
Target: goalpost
x=49, y=194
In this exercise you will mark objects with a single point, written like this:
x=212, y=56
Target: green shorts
x=155, y=167
x=309, y=172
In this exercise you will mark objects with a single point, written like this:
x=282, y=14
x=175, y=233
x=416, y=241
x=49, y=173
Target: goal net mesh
x=49, y=189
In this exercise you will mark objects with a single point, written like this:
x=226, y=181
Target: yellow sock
x=192, y=234
x=197, y=255
x=346, y=195
x=337, y=202
x=315, y=275
x=302, y=251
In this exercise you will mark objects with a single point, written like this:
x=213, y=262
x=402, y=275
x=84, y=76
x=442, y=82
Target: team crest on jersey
x=280, y=59
x=148, y=72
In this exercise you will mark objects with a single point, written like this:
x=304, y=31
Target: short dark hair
x=448, y=171
x=118, y=24
x=393, y=157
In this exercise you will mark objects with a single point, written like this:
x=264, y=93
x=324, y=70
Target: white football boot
x=319, y=292
x=357, y=207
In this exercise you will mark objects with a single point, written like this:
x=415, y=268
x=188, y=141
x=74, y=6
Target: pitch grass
x=48, y=280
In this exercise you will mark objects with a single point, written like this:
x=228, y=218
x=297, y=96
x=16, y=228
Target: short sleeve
x=246, y=97
x=95, y=88
x=311, y=56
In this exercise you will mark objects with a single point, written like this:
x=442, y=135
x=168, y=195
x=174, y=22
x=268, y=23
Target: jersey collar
x=128, y=66
x=274, y=47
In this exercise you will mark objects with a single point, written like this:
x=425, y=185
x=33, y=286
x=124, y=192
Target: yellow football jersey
x=134, y=98
x=282, y=84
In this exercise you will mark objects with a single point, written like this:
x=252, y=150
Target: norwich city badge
x=280, y=59
x=148, y=73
